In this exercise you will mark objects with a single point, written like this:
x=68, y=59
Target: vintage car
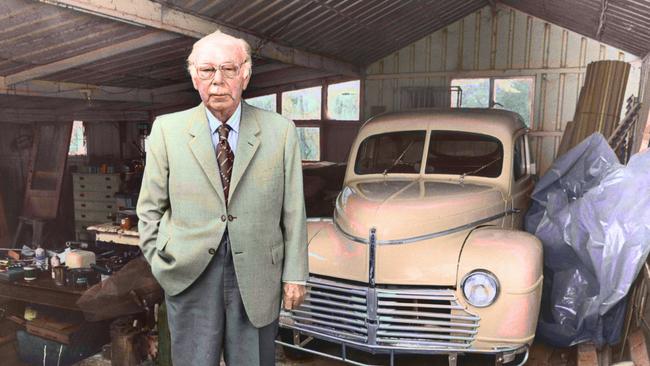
x=424, y=252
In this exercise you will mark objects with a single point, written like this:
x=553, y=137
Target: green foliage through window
x=309, y=143
x=302, y=104
x=343, y=101
x=476, y=93
x=513, y=94
x=267, y=102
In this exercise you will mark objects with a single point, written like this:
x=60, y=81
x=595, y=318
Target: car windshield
x=464, y=153
x=393, y=152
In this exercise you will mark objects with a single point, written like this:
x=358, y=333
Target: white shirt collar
x=233, y=121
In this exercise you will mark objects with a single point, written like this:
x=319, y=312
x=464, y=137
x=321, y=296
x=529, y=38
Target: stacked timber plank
x=600, y=102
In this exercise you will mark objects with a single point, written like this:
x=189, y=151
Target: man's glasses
x=228, y=70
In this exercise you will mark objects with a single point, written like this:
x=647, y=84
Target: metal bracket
x=453, y=359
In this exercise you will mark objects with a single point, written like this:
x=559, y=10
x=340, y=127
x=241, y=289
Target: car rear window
x=454, y=152
x=392, y=152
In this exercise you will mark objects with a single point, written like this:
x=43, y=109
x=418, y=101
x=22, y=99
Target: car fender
x=515, y=258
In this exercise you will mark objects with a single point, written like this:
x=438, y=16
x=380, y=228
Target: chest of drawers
x=94, y=200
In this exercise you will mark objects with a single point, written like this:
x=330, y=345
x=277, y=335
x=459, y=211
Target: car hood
x=420, y=228
x=401, y=209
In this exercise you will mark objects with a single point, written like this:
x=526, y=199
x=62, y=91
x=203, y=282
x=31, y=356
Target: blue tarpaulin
x=592, y=215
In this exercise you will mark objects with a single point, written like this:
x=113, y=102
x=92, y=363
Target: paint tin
x=59, y=275
x=30, y=273
x=83, y=278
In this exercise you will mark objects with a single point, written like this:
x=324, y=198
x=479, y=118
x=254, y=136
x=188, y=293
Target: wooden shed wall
x=501, y=43
x=643, y=128
x=103, y=146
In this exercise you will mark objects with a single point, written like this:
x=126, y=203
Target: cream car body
x=388, y=270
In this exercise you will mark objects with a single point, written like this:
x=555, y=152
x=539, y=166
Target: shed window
x=78, y=140
x=513, y=94
x=343, y=101
x=267, y=102
x=309, y=143
x=302, y=104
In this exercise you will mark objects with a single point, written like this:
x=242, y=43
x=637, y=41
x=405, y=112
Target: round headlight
x=480, y=288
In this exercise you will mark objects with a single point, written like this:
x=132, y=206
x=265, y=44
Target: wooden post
x=638, y=348
x=587, y=355
x=4, y=227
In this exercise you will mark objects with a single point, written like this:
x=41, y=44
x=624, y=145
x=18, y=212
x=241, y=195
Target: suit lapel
x=246, y=145
x=203, y=150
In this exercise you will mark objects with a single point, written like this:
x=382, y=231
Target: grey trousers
x=209, y=317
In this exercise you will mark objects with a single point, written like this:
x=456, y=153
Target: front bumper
x=388, y=321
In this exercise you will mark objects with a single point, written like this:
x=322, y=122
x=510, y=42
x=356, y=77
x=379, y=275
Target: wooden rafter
x=34, y=115
x=54, y=89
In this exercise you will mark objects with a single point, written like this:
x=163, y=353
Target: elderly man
x=222, y=216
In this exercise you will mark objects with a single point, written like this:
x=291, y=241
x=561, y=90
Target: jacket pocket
x=277, y=254
x=161, y=244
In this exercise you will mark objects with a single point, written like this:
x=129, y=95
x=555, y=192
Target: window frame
x=323, y=123
x=520, y=141
x=83, y=127
x=492, y=91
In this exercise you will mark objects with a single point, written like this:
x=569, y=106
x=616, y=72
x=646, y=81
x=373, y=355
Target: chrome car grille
x=419, y=318
x=423, y=317
x=334, y=309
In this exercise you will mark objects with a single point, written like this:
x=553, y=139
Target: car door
x=523, y=177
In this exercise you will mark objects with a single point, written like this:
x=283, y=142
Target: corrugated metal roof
x=146, y=68
x=34, y=34
x=356, y=31
x=626, y=22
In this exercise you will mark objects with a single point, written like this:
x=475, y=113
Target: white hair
x=218, y=37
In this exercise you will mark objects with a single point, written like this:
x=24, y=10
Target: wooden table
x=42, y=291
x=111, y=233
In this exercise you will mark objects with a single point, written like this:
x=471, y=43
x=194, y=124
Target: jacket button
x=223, y=218
x=230, y=218
x=211, y=251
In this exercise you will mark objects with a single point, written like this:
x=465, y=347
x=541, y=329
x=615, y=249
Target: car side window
x=519, y=159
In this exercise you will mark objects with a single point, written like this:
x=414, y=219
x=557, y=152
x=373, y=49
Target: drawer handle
x=82, y=195
x=108, y=196
x=82, y=215
x=83, y=186
x=107, y=178
x=109, y=187
x=109, y=206
x=83, y=205
x=81, y=178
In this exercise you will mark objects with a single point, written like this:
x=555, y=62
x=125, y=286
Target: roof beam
x=163, y=17
x=54, y=89
x=13, y=115
x=284, y=76
x=89, y=57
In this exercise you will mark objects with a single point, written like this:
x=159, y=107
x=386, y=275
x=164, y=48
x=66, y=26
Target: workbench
x=111, y=233
x=41, y=291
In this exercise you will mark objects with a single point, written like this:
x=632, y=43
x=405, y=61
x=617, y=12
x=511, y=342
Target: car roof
x=482, y=120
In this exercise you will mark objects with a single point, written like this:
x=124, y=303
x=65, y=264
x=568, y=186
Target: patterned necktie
x=225, y=158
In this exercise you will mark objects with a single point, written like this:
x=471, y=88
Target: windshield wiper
x=398, y=159
x=462, y=176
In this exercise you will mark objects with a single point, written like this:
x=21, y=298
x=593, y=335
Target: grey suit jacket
x=183, y=214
